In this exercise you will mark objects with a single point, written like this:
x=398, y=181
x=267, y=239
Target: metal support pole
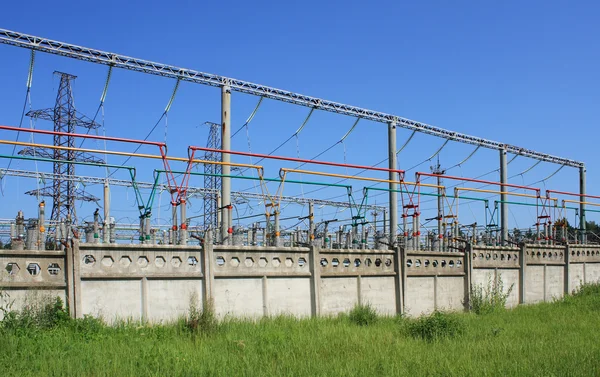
x=183, y=225
x=96, y=227
x=42, y=229
x=582, y=224
x=417, y=232
x=440, y=203
x=226, y=158
x=384, y=221
x=311, y=224
x=106, y=225
x=503, y=204
x=147, y=229
x=393, y=195
x=276, y=230
x=254, y=238
x=174, y=223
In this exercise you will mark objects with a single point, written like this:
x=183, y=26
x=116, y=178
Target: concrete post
x=503, y=204
x=208, y=268
x=315, y=281
x=144, y=290
x=567, y=273
x=183, y=225
x=70, y=274
x=582, y=224
x=76, y=276
x=399, y=280
x=393, y=195
x=404, y=274
x=265, y=296
x=522, y=273
x=468, y=265
x=106, y=225
x=226, y=158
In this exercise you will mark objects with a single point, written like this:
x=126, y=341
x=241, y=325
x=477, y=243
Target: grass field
x=550, y=339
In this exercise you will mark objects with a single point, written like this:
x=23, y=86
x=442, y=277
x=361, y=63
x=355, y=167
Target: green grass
x=550, y=339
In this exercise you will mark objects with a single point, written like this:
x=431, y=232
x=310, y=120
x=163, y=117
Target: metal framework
x=192, y=191
x=66, y=119
x=126, y=62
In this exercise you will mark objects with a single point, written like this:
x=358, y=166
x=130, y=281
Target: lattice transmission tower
x=66, y=119
x=212, y=182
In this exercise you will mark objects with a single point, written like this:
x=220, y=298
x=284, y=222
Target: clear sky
x=524, y=73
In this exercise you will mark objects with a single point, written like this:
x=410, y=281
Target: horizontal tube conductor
x=293, y=159
x=426, y=194
x=496, y=192
x=477, y=181
x=579, y=202
x=572, y=194
x=128, y=154
x=41, y=159
x=285, y=170
x=85, y=136
x=260, y=179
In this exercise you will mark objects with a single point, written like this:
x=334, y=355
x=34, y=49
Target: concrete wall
x=159, y=283
x=434, y=281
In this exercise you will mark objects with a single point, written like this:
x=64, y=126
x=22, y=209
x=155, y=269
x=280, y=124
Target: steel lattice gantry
x=212, y=181
x=134, y=64
x=65, y=119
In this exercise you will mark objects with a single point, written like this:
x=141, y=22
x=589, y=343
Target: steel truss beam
x=126, y=62
x=192, y=191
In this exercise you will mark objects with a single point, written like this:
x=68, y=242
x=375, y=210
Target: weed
x=42, y=313
x=587, y=290
x=5, y=303
x=491, y=297
x=201, y=320
x=363, y=315
x=438, y=325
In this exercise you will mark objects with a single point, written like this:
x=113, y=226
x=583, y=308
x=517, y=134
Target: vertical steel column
x=440, y=205
x=582, y=224
x=106, y=225
x=276, y=239
x=96, y=227
x=183, y=224
x=503, y=204
x=393, y=195
x=311, y=224
x=226, y=169
x=174, y=237
x=42, y=229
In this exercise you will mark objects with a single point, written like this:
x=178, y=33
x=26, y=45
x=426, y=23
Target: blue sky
x=524, y=73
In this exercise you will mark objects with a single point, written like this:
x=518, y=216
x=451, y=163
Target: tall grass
x=549, y=339
x=491, y=297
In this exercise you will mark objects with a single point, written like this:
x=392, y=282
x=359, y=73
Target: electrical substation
x=265, y=228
